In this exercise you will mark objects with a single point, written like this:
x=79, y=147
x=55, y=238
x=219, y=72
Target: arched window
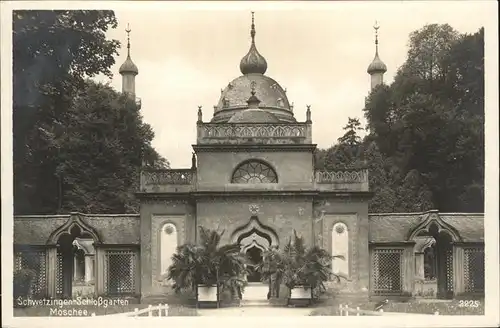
x=340, y=246
x=168, y=245
x=254, y=172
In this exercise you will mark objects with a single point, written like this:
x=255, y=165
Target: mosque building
x=253, y=175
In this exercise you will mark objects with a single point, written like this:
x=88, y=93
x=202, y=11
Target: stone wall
x=155, y=213
x=395, y=227
x=353, y=212
x=281, y=214
x=215, y=169
x=37, y=229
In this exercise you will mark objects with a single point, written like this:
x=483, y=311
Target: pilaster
x=51, y=271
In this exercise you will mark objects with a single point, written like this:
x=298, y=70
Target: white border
x=491, y=317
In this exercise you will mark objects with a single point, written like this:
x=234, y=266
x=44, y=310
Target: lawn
x=45, y=311
x=427, y=307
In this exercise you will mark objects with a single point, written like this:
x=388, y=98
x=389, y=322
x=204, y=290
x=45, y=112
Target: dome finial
x=253, y=62
x=252, y=30
x=376, y=27
x=253, y=102
x=128, y=30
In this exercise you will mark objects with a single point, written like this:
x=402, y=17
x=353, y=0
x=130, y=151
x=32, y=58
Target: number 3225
x=468, y=303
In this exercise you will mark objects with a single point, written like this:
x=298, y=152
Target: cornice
x=193, y=196
x=254, y=147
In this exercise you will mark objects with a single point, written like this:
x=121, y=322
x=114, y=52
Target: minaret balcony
x=342, y=180
x=167, y=180
x=253, y=133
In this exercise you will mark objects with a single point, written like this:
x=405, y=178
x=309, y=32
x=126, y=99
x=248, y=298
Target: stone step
x=254, y=303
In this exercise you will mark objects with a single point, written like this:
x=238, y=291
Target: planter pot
x=255, y=292
x=207, y=293
x=301, y=293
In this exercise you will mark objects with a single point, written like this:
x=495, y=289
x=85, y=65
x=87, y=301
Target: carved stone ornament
x=254, y=208
x=169, y=230
x=339, y=229
x=301, y=211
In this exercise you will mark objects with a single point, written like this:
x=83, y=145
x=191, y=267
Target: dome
x=271, y=96
x=377, y=66
x=253, y=116
x=236, y=93
x=235, y=96
x=129, y=67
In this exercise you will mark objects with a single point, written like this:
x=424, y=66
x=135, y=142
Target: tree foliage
x=347, y=153
x=77, y=144
x=425, y=147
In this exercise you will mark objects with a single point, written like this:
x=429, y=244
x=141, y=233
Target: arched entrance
x=254, y=239
x=75, y=269
x=434, y=255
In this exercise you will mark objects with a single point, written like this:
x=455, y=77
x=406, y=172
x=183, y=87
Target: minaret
x=377, y=68
x=128, y=70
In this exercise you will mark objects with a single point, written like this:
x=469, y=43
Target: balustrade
x=279, y=133
x=347, y=176
x=167, y=177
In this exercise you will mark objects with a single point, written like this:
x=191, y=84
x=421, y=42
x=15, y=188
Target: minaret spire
x=128, y=70
x=128, y=30
x=377, y=68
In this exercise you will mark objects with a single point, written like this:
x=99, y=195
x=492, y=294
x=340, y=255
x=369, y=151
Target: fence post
x=136, y=312
x=357, y=311
x=150, y=311
x=93, y=314
x=159, y=310
x=340, y=310
x=166, y=310
x=436, y=313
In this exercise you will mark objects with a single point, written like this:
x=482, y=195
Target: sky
x=319, y=53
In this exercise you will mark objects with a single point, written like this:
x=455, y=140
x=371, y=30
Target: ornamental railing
x=166, y=177
x=259, y=133
x=347, y=176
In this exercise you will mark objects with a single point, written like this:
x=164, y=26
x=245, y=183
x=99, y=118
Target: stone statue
x=193, y=161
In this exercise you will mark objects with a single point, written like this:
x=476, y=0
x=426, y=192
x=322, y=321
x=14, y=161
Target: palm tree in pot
x=208, y=268
x=302, y=270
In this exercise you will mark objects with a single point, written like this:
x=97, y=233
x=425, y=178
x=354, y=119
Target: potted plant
x=208, y=268
x=302, y=270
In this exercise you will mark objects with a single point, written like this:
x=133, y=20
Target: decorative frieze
x=164, y=201
x=348, y=176
x=167, y=177
x=232, y=133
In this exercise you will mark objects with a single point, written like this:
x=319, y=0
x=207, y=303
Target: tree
x=347, y=153
x=98, y=152
x=54, y=52
x=429, y=123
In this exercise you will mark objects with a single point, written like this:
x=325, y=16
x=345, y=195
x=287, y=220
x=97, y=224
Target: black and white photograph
x=305, y=161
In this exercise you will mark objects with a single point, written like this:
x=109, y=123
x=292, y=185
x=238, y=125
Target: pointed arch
x=256, y=231
x=74, y=221
x=430, y=219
